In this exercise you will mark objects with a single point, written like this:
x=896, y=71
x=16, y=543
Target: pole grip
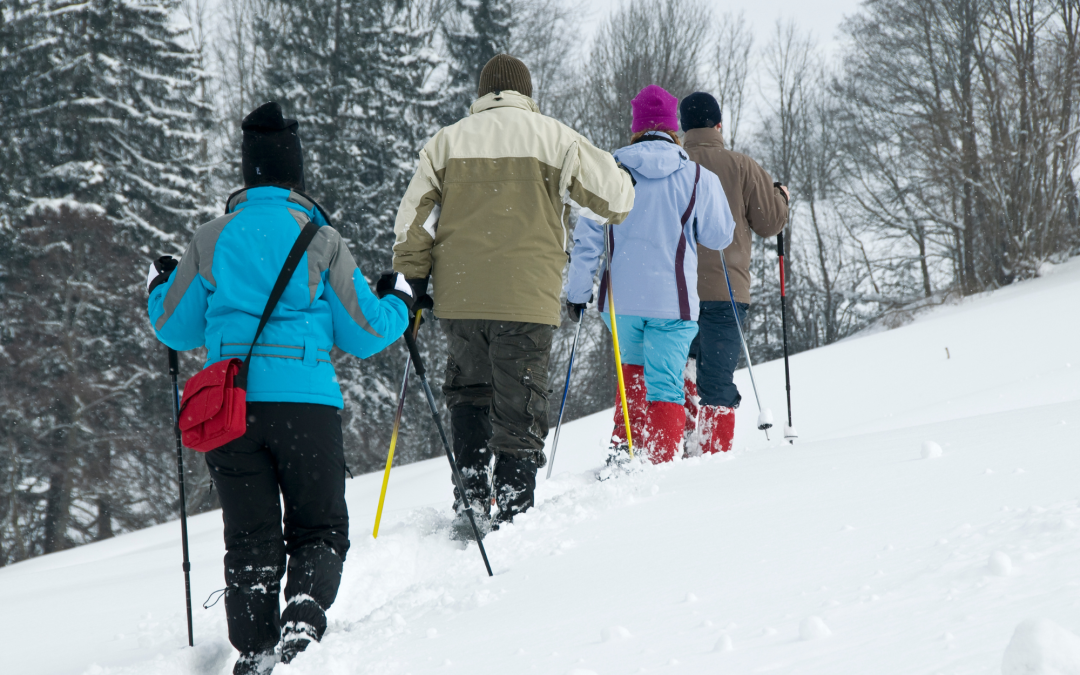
x=174, y=363
x=418, y=363
x=780, y=244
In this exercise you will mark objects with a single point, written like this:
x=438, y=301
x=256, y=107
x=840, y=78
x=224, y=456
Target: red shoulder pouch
x=214, y=409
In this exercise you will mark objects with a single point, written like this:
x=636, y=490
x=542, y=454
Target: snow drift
x=929, y=509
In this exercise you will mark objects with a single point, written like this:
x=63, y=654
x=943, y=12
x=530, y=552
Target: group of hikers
x=483, y=238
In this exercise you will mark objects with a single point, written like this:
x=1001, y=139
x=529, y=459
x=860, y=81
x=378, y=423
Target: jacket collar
x=708, y=137
x=293, y=199
x=503, y=99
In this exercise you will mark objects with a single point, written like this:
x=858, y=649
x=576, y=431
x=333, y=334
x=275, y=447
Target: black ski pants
x=497, y=392
x=293, y=450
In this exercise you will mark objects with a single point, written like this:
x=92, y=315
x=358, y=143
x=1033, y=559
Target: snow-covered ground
x=928, y=521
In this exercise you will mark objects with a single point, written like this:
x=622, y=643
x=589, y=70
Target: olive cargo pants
x=497, y=392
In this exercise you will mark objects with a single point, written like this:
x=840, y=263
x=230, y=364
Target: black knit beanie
x=699, y=111
x=271, y=153
x=505, y=72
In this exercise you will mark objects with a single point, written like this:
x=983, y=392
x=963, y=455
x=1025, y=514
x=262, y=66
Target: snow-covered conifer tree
x=356, y=75
x=480, y=30
x=102, y=127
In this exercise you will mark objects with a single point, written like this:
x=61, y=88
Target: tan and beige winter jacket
x=755, y=204
x=486, y=213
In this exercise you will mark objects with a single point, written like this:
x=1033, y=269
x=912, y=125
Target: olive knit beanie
x=505, y=72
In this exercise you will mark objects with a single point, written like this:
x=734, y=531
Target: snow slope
x=848, y=553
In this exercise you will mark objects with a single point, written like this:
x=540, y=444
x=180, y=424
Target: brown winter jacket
x=486, y=212
x=755, y=204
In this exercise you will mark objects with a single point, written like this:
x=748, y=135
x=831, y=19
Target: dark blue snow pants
x=717, y=348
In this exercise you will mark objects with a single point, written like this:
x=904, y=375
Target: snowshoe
x=618, y=463
x=255, y=664
x=461, y=529
x=295, y=638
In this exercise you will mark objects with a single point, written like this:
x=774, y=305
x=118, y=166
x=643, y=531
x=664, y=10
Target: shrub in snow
x=1041, y=647
x=813, y=628
x=931, y=450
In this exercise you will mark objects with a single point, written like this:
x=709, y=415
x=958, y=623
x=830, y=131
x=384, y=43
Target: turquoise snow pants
x=661, y=345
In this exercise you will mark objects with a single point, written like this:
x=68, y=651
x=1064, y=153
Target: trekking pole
x=393, y=435
x=418, y=365
x=615, y=341
x=765, y=418
x=174, y=371
x=566, y=390
x=789, y=431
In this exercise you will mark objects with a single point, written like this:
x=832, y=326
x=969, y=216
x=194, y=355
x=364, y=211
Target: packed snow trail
x=847, y=553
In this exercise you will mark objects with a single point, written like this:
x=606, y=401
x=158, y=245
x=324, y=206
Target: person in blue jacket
x=214, y=298
x=653, y=278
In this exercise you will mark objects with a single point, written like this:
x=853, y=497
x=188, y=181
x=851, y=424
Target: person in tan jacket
x=487, y=217
x=759, y=205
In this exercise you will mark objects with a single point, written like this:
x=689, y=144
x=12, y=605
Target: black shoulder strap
x=299, y=247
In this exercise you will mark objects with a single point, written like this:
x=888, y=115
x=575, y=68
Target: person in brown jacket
x=758, y=205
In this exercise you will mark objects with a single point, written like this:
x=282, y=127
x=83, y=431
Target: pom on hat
x=654, y=108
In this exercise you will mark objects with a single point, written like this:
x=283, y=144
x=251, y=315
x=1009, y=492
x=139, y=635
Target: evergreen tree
x=101, y=133
x=480, y=30
x=355, y=74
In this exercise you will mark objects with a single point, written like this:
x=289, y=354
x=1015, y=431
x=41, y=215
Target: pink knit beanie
x=654, y=107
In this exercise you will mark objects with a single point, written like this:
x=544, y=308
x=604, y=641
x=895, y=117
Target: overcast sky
x=821, y=17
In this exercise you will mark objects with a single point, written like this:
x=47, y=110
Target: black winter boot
x=515, y=485
x=471, y=429
x=255, y=664
x=314, y=578
x=252, y=612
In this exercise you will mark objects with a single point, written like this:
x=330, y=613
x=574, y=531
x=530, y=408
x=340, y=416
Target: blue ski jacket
x=677, y=205
x=218, y=291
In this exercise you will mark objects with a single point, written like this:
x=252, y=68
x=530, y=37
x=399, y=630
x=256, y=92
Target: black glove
x=574, y=309
x=779, y=186
x=393, y=283
x=160, y=271
x=419, y=289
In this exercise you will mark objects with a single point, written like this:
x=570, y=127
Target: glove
x=419, y=289
x=574, y=309
x=783, y=191
x=160, y=271
x=393, y=283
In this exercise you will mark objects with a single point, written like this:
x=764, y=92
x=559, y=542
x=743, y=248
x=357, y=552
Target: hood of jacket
x=652, y=159
x=503, y=99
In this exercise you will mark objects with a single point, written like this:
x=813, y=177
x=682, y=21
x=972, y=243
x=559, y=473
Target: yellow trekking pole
x=615, y=342
x=394, y=435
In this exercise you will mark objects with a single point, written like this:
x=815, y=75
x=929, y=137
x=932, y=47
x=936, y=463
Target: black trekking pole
x=418, y=365
x=174, y=370
x=789, y=430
